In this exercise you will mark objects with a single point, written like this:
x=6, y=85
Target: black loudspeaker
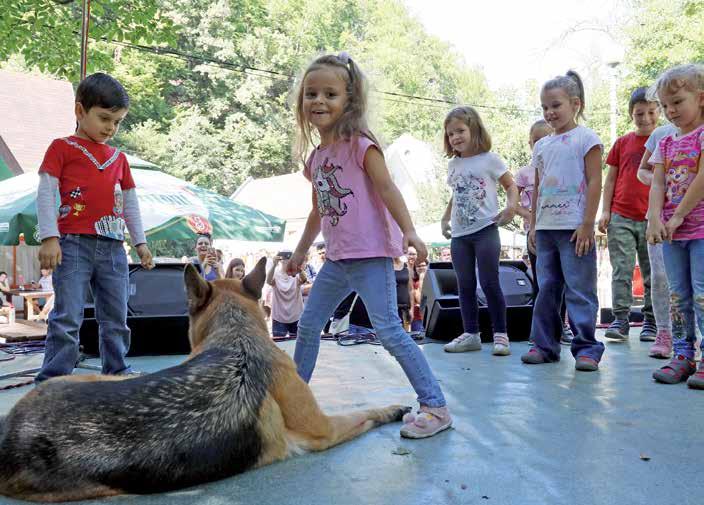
x=157, y=312
x=440, y=303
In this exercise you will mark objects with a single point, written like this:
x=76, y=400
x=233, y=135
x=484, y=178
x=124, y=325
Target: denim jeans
x=375, y=282
x=686, y=276
x=560, y=269
x=279, y=329
x=480, y=252
x=102, y=264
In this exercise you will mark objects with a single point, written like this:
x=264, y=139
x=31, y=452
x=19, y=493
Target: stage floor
x=522, y=435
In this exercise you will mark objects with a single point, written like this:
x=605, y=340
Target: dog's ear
x=254, y=280
x=197, y=289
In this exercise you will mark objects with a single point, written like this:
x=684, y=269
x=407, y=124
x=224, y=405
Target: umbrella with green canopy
x=171, y=209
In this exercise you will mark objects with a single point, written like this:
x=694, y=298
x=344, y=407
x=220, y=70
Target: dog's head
x=224, y=303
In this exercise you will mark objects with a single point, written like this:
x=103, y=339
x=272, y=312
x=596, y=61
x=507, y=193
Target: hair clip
x=344, y=57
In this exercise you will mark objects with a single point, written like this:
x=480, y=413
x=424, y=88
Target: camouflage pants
x=626, y=240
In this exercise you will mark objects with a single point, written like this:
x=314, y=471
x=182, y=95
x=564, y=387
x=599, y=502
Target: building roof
x=34, y=110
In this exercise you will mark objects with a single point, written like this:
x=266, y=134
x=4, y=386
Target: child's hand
x=672, y=224
x=504, y=217
x=50, y=253
x=656, y=231
x=145, y=256
x=583, y=238
x=295, y=264
x=446, y=230
x=645, y=176
x=604, y=221
x=411, y=238
x=532, y=247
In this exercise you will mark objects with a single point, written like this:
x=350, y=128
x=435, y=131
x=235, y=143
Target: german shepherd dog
x=236, y=403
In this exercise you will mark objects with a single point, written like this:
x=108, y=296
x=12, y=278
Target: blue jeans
x=686, y=276
x=375, y=282
x=102, y=264
x=561, y=270
x=479, y=251
x=279, y=329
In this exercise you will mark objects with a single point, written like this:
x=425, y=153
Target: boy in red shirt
x=84, y=243
x=625, y=205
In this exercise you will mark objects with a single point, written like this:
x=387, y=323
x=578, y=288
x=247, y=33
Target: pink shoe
x=427, y=423
x=662, y=348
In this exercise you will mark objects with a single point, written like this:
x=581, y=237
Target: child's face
x=98, y=124
x=683, y=108
x=559, y=109
x=459, y=137
x=645, y=117
x=324, y=98
x=45, y=272
x=536, y=134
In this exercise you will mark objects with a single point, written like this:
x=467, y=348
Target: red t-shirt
x=91, y=178
x=630, y=197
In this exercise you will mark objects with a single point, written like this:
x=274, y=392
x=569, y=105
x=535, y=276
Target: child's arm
x=133, y=219
x=310, y=231
x=583, y=236
x=693, y=195
x=607, y=197
x=656, y=231
x=506, y=215
x=521, y=210
x=445, y=221
x=533, y=206
x=645, y=170
x=50, y=251
x=375, y=166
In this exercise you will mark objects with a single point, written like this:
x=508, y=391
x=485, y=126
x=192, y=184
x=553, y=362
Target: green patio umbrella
x=171, y=208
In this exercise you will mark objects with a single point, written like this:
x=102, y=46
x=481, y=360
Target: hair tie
x=344, y=57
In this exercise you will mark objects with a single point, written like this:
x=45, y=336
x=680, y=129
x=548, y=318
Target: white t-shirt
x=658, y=134
x=474, y=200
x=562, y=189
x=286, y=298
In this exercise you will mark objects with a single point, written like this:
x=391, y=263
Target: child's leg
x=375, y=281
x=110, y=292
x=696, y=253
x=487, y=246
x=660, y=289
x=679, y=275
x=580, y=297
x=644, y=263
x=534, y=270
x=70, y=280
x=464, y=264
x=621, y=239
x=329, y=289
x=546, y=326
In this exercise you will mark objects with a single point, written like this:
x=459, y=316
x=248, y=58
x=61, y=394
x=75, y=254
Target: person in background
x=403, y=291
x=286, y=297
x=5, y=294
x=445, y=254
x=206, y=260
x=235, y=270
x=416, y=294
x=625, y=204
x=525, y=181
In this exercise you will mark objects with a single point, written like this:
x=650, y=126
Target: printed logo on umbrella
x=199, y=224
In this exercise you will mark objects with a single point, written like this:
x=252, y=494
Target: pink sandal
x=429, y=421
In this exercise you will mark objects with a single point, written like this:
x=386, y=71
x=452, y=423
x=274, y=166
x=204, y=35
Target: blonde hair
x=353, y=121
x=540, y=124
x=572, y=85
x=480, y=139
x=689, y=77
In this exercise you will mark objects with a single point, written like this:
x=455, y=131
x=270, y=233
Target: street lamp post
x=612, y=98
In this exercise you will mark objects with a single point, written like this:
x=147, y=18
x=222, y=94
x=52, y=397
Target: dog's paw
x=399, y=411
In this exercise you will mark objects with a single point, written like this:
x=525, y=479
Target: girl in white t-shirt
x=565, y=201
x=473, y=174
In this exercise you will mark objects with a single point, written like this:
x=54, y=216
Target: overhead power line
x=422, y=101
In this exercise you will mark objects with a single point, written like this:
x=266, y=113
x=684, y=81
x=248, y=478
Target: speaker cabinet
x=157, y=312
x=440, y=303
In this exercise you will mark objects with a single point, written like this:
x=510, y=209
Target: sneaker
x=429, y=421
x=618, y=330
x=649, y=331
x=501, y=345
x=464, y=343
x=586, y=364
x=567, y=336
x=662, y=348
x=533, y=357
x=677, y=370
x=696, y=381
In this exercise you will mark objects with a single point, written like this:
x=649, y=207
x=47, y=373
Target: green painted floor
x=522, y=435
